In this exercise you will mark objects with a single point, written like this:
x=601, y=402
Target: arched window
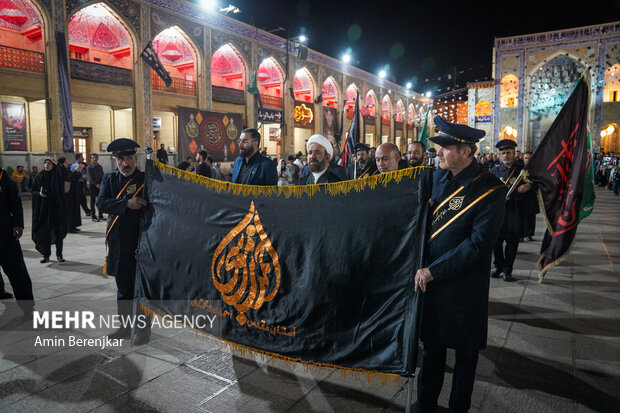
x=411, y=114
x=350, y=96
x=370, y=104
x=509, y=91
x=330, y=93
x=303, y=86
x=179, y=59
x=100, y=45
x=269, y=79
x=228, y=76
x=386, y=110
x=21, y=36
x=400, y=111
x=611, y=87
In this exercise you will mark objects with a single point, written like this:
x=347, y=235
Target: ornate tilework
x=162, y=20
x=129, y=10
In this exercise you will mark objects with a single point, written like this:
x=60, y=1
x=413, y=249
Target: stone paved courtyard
x=553, y=347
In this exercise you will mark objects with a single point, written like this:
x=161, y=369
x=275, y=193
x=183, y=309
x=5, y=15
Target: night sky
x=423, y=42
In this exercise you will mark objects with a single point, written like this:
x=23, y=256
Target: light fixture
x=302, y=39
x=610, y=130
x=603, y=133
x=382, y=74
x=346, y=58
x=514, y=133
x=509, y=130
x=409, y=85
x=209, y=4
x=428, y=94
x=230, y=9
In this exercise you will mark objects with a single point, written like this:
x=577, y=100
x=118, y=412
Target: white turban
x=323, y=141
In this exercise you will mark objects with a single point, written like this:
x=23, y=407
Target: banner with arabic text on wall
x=283, y=276
x=215, y=132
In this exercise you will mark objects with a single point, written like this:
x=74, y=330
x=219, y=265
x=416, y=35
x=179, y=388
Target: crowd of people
x=607, y=171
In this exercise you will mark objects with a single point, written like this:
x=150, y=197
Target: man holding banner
x=467, y=210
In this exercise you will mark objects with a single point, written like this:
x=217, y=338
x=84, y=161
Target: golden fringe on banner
x=338, y=188
x=371, y=375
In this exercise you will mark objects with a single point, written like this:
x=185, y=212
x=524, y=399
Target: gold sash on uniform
x=124, y=191
x=459, y=202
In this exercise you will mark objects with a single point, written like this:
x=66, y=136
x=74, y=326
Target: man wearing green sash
x=467, y=210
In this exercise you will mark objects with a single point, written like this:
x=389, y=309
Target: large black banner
x=215, y=132
x=559, y=167
x=320, y=274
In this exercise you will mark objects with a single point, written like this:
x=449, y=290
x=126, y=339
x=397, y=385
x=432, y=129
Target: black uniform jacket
x=456, y=301
x=327, y=177
x=11, y=212
x=517, y=201
x=122, y=239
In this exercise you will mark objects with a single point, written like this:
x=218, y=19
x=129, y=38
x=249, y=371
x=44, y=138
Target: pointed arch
x=386, y=108
x=610, y=138
x=330, y=93
x=101, y=44
x=22, y=39
x=350, y=96
x=509, y=91
x=370, y=104
x=411, y=113
x=228, y=75
x=270, y=79
x=303, y=85
x=400, y=110
x=180, y=58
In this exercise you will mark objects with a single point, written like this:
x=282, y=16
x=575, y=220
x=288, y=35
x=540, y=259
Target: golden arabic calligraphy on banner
x=303, y=115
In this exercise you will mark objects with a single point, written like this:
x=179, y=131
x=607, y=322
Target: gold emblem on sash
x=131, y=189
x=245, y=267
x=456, y=203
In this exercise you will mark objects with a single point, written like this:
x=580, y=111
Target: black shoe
x=522, y=239
x=417, y=408
x=530, y=238
x=60, y=258
x=495, y=273
x=101, y=218
x=87, y=213
x=5, y=295
x=95, y=220
x=44, y=260
x=141, y=337
x=506, y=276
x=120, y=333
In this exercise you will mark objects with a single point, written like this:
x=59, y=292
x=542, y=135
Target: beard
x=246, y=152
x=127, y=170
x=316, y=166
x=415, y=162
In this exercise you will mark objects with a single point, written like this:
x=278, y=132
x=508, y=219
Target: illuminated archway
x=483, y=110
x=228, y=73
x=100, y=45
x=370, y=104
x=331, y=94
x=411, y=115
x=400, y=111
x=303, y=86
x=350, y=96
x=610, y=138
x=509, y=91
x=179, y=59
x=611, y=87
x=22, y=44
x=509, y=132
x=386, y=109
x=269, y=79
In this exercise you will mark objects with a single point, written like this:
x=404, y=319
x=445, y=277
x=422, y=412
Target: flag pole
x=517, y=181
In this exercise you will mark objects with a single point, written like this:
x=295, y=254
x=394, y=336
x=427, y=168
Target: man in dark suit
x=251, y=167
x=121, y=197
x=387, y=158
x=320, y=152
x=508, y=170
x=468, y=205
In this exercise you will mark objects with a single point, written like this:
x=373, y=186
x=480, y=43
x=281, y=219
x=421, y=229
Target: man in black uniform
x=120, y=196
x=508, y=172
x=362, y=167
x=11, y=256
x=467, y=205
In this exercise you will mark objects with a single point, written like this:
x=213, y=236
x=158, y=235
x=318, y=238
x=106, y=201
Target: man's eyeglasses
x=244, y=140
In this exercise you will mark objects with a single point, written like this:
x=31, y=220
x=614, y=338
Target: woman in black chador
x=49, y=224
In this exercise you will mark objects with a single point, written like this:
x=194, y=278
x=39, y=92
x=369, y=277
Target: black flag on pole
x=150, y=56
x=348, y=154
x=331, y=294
x=559, y=167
